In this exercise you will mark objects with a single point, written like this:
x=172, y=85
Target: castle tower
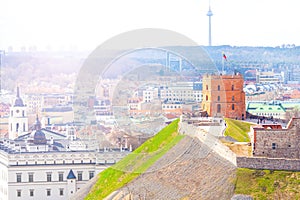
x=18, y=120
x=209, y=14
x=223, y=95
x=71, y=183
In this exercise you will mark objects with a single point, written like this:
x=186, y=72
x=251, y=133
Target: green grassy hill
x=238, y=130
x=135, y=163
x=268, y=184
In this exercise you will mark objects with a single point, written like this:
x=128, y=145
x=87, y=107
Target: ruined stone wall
x=278, y=143
x=268, y=163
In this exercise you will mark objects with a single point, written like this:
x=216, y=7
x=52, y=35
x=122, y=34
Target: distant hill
x=27, y=66
x=38, y=66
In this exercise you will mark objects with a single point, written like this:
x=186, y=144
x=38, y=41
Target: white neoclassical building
x=43, y=164
x=36, y=166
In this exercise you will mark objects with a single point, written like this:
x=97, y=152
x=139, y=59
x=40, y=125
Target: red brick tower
x=223, y=95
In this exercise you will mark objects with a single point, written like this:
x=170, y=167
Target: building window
x=61, y=191
x=48, y=192
x=232, y=87
x=273, y=145
x=31, y=192
x=91, y=174
x=60, y=176
x=49, y=177
x=79, y=175
x=232, y=98
x=218, y=108
x=19, y=193
x=17, y=126
x=30, y=177
x=206, y=87
x=19, y=178
x=219, y=98
x=219, y=87
x=206, y=98
x=232, y=106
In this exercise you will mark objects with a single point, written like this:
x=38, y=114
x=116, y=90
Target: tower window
x=218, y=108
x=219, y=87
x=219, y=98
x=232, y=98
x=206, y=87
x=273, y=145
x=232, y=106
x=206, y=98
x=232, y=87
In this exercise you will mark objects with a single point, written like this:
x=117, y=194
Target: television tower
x=209, y=14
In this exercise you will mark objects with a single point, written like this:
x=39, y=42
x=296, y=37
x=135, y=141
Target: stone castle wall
x=278, y=143
x=209, y=137
x=268, y=163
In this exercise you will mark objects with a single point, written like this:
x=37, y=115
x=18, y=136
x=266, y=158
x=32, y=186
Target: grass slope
x=268, y=184
x=135, y=163
x=238, y=130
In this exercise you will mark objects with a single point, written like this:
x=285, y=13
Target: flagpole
x=224, y=58
x=223, y=63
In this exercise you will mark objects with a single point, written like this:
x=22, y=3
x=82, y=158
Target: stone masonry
x=274, y=148
x=277, y=142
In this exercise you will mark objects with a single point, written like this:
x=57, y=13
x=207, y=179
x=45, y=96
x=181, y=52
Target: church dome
x=38, y=137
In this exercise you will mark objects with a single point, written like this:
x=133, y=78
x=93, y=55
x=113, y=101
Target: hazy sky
x=86, y=24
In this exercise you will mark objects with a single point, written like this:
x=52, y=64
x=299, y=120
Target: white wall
x=40, y=184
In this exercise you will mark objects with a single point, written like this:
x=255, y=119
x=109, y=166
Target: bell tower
x=18, y=120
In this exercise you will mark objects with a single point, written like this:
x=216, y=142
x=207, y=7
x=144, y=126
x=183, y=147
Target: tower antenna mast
x=209, y=14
